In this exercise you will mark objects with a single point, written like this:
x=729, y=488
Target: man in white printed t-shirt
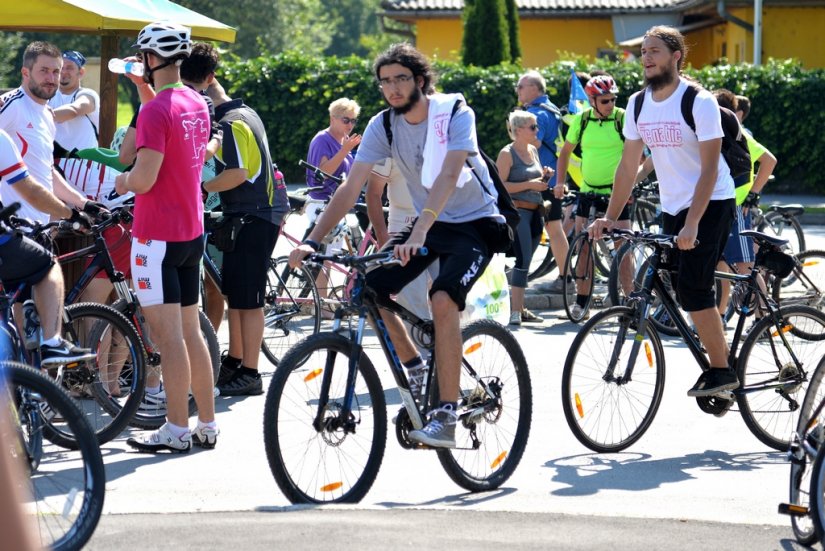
x=696, y=188
x=76, y=109
x=415, y=296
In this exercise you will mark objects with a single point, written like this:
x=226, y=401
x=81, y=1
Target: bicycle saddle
x=764, y=239
x=794, y=209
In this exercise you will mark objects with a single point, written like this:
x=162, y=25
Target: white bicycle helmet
x=164, y=39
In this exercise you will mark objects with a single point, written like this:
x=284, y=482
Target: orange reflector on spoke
x=810, y=263
x=498, y=460
x=784, y=330
x=579, y=406
x=649, y=354
x=312, y=374
x=472, y=348
x=331, y=487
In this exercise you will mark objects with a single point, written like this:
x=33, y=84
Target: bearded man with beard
x=453, y=211
x=697, y=191
x=27, y=118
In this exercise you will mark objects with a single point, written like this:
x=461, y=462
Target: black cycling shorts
x=245, y=268
x=554, y=212
x=167, y=272
x=584, y=203
x=695, y=285
x=22, y=260
x=462, y=256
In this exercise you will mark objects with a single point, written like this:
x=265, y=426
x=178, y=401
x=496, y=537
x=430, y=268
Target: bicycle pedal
x=793, y=510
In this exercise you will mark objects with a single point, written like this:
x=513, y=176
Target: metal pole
x=757, y=32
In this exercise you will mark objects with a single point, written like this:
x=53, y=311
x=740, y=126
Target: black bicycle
x=325, y=419
x=613, y=377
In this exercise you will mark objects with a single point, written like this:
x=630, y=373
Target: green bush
x=291, y=92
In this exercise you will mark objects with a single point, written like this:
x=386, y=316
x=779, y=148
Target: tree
x=486, y=40
x=513, y=28
x=350, y=20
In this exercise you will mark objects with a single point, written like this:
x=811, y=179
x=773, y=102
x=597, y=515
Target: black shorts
x=584, y=203
x=245, y=268
x=554, y=212
x=22, y=260
x=462, y=256
x=167, y=272
x=695, y=280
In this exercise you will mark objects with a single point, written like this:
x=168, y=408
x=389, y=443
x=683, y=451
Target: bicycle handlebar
x=319, y=174
x=383, y=258
x=8, y=212
x=661, y=239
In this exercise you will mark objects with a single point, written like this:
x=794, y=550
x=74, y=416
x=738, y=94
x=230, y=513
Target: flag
x=578, y=98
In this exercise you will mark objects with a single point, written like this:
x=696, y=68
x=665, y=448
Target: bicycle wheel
x=785, y=227
x=805, y=284
x=817, y=498
x=494, y=408
x=772, y=384
x=292, y=308
x=580, y=261
x=607, y=410
x=627, y=267
x=645, y=217
x=603, y=256
x=65, y=490
x=311, y=455
x=108, y=390
x=802, y=462
x=543, y=261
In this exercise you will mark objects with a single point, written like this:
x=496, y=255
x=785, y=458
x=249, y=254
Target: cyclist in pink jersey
x=172, y=134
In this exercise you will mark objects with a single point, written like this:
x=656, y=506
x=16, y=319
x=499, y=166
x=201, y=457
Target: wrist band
x=431, y=211
x=314, y=244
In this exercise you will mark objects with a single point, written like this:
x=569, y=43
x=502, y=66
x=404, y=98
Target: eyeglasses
x=520, y=86
x=606, y=101
x=398, y=80
x=347, y=120
x=531, y=126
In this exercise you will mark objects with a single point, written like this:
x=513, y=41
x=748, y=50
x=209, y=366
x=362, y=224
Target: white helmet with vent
x=164, y=39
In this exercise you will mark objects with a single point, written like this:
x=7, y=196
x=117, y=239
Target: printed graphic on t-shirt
x=193, y=132
x=661, y=134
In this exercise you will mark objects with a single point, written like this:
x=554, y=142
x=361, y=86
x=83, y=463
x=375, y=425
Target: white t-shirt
x=12, y=167
x=402, y=211
x=31, y=127
x=78, y=133
x=675, y=147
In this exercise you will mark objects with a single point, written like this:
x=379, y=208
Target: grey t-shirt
x=469, y=202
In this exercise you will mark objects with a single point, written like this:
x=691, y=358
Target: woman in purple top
x=331, y=148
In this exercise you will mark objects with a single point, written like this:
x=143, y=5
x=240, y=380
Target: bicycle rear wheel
x=65, y=490
x=292, y=308
x=805, y=284
x=772, y=384
x=786, y=228
x=494, y=409
x=817, y=497
x=606, y=410
x=543, y=261
x=582, y=268
x=313, y=457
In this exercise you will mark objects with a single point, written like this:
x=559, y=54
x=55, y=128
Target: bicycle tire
x=591, y=402
x=817, y=497
x=63, y=524
x=543, y=261
x=807, y=288
x=578, y=273
x=292, y=308
x=770, y=415
x=100, y=328
x=802, y=464
x=773, y=223
x=603, y=256
x=639, y=253
x=343, y=466
x=486, y=346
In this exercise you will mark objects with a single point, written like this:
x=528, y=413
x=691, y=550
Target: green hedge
x=291, y=92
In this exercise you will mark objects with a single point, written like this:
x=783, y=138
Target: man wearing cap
x=76, y=109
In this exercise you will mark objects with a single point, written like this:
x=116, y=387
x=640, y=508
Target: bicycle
x=602, y=378
x=779, y=220
x=325, y=418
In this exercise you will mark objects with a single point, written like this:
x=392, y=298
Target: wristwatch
x=314, y=244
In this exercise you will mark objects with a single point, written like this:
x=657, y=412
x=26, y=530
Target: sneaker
x=153, y=404
x=161, y=440
x=578, y=313
x=529, y=317
x=205, y=437
x=714, y=381
x=439, y=432
x=243, y=384
x=515, y=318
x=64, y=353
x=417, y=377
x=227, y=370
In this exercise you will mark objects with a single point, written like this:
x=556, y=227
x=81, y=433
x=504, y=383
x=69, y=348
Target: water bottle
x=31, y=325
x=279, y=177
x=121, y=66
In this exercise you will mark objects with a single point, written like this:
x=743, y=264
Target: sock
x=209, y=425
x=153, y=389
x=54, y=341
x=177, y=431
x=581, y=300
x=248, y=371
x=448, y=405
x=416, y=362
x=231, y=361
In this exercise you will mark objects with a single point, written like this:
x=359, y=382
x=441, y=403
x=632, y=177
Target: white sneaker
x=161, y=440
x=153, y=404
x=205, y=437
x=515, y=318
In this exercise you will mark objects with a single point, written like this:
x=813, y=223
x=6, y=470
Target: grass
x=124, y=113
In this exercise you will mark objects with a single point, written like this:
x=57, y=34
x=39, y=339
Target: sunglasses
x=347, y=120
x=607, y=101
x=532, y=126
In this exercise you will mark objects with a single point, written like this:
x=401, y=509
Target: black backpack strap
x=620, y=125
x=385, y=115
x=637, y=105
x=688, y=99
x=585, y=120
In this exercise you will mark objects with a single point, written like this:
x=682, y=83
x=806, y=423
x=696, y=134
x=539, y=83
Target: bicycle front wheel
x=65, y=491
x=772, y=382
x=292, y=308
x=582, y=268
x=318, y=454
x=608, y=401
x=495, y=407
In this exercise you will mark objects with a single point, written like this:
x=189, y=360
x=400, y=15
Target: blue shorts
x=739, y=249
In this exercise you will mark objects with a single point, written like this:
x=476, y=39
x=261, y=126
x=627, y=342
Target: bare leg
x=48, y=297
x=558, y=244
x=516, y=299
x=709, y=326
x=447, y=346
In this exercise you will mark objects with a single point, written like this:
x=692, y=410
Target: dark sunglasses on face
x=532, y=126
x=607, y=101
x=347, y=120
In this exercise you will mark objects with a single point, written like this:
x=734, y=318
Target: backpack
x=502, y=241
x=734, y=144
x=556, y=114
x=618, y=122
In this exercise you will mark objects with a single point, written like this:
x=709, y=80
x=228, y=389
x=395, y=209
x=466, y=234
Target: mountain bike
x=613, y=377
x=325, y=418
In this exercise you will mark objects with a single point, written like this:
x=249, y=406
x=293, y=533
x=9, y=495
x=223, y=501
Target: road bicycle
x=613, y=377
x=325, y=417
